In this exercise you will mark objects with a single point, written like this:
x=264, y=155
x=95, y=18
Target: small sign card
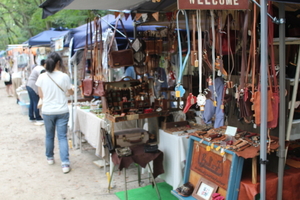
x=231, y=131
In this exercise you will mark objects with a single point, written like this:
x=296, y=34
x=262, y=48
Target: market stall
x=219, y=74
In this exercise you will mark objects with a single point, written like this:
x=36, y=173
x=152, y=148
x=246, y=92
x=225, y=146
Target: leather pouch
x=151, y=148
x=130, y=137
x=123, y=151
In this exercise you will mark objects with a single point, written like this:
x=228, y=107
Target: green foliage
x=22, y=19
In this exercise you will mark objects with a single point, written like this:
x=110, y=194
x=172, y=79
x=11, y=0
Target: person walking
x=16, y=78
x=32, y=89
x=7, y=82
x=53, y=86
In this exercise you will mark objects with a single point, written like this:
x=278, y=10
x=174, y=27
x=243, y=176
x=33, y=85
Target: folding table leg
x=157, y=191
x=126, y=195
x=139, y=174
x=110, y=178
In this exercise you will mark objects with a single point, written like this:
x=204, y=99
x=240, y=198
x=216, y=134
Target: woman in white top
x=53, y=87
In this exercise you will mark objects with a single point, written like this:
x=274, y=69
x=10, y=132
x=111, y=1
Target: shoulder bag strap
x=85, y=48
x=244, y=46
x=270, y=38
x=92, y=59
x=55, y=83
x=115, y=30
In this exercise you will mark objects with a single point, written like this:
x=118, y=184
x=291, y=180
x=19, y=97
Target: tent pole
x=263, y=103
x=282, y=107
x=113, y=27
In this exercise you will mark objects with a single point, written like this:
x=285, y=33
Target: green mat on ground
x=148, y=193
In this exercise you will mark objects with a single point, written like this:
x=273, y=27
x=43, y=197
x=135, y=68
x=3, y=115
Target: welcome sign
x=212, y=4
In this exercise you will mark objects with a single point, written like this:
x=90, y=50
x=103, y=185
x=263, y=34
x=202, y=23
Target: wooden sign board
x=212, y=4
x=211, y=166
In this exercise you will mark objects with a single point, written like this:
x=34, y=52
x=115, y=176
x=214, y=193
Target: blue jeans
x=60, y=122
x=33, y=111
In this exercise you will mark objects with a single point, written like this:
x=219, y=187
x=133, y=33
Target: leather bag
x=154, y=46
x=87, y=82
x=257, y=107
x=99, y=88
x=130, y=137
x=93, y=85
x=120, y=58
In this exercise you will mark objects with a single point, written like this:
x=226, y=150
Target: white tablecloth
x=175, y=150
x=90, y=125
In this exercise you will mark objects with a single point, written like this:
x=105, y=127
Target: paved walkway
x=25, y=174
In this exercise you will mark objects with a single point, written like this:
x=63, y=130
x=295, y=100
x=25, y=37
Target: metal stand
x=139, y=180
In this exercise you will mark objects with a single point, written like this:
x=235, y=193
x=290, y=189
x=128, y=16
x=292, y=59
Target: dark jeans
x=33, y=112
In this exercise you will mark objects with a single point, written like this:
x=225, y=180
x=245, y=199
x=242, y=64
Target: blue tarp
x=44, y=38
x=79, y=33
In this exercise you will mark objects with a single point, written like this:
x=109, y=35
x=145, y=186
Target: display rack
x=234, y=176
x=291, y=121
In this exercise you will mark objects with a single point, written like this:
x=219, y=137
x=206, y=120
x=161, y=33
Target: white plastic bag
x=5, y=76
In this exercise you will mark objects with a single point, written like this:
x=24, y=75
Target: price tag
x=196, y=63
x=212, y=146
x=222, y=152
x=215, y=103
x=179, y=91
x=231, y=131
x=218, y=148
x=207, y=148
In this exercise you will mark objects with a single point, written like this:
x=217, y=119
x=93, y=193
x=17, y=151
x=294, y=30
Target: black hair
x=52, y=60
x=43, y=61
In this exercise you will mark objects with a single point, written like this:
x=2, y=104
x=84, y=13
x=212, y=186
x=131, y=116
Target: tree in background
x=22, y=19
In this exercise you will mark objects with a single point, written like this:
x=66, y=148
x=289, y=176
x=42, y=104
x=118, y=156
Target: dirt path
x=24, y=172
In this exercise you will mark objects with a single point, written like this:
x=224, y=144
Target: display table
x=90, y=125
x=175, y=150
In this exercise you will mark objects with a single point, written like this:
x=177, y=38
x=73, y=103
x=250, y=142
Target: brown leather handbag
x=87, y=83
x=93, y=85
x=120, y=58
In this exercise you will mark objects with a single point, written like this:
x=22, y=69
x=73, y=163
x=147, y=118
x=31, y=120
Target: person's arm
x=71, y=91
x=40, y=92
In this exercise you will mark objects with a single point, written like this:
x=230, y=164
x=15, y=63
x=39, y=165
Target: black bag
x=107, y=140
x=151, y=148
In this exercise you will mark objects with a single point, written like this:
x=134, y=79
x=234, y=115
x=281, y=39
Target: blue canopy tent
x=107, y=21
x=44, y=38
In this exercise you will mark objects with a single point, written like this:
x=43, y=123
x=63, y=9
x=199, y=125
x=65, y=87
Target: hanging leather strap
x=271, y=46
x=85, y=48
x=92, y=60
x=244, y=53
x=253, y=49
x=182, y=64
x=115, y=30
x=228, y=22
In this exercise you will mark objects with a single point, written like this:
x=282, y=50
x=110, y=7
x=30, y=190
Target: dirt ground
x=25, y=173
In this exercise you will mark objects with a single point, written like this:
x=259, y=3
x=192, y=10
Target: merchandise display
x=195, y=102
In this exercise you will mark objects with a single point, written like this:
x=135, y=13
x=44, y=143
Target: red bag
x=87, y=87
x=99, y=88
